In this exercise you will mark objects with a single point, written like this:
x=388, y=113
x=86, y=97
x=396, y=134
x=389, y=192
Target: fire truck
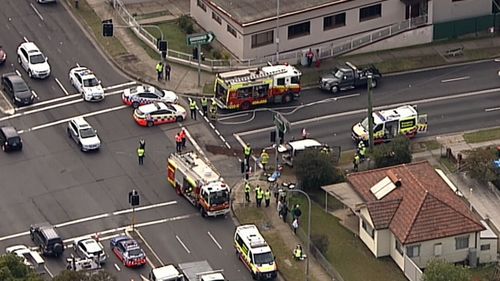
x=242, y=89
x=199, y=183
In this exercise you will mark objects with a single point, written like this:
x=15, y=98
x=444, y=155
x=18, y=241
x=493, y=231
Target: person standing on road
x=247, y=151
x=192, y=107
x=182, y=134
x=178, y=143
x=213, y=110
x=140, y=155
x=247, y=192
x=204, y=105
x=167, y=71
x=264, y=159
x=260, y=196
x=267, y=197
x=159, y=70
x=295, y=225
x=142, y=143
x=355, y=162
x=284, y=211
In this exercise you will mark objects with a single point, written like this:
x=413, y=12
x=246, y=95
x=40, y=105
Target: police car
x=145, y=94
x=159, y=113
x=127, y=250
x=86, y=83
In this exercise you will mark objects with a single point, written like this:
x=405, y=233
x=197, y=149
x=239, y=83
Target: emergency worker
x=297, y=252
x=192, y=108
x=204, y=105
x=247, y=151
x=159, y=70
x=183, y=136
x=213, y=110
x=267, y=197
x=260, y=196
x=355, y=162
x=140, y=155
x=247, y=191
x=264, y=159
x=178, y=143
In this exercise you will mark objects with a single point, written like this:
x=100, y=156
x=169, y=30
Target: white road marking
x=193, y=142
x=97, y=217
x=144, y=278
x=18, y=73
x=233, y=116
x=144, y=208
x=150, y=248
x=117, y=267
x=120, y=85
x=215, y=241
x=492, y=109
x=62, y=87
x=77, y=64
x=25, y=39
x=382, y=107
x=48, y=271
x=36, y=11
x=183, y=245
x=33, y=92
x=455, y=79
x=12, y=236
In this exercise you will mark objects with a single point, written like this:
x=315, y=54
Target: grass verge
x=483, y=135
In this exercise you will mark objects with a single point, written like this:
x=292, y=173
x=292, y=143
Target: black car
x=46, y=238
x=3, y=56
x=15, y=87
x=9, y=139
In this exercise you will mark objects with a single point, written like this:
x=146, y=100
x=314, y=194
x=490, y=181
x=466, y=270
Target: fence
x=465, y=27
x=411, y=270
x=325, y=51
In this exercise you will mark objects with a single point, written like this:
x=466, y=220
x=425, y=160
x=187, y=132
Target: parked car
x=10, y=139
x=14, y=86
x=46, y=238
x=159, y=113
x=349, y=77
x=127, y=250
x=33, y=60
x=83, y=134
x=145, y=94
x=89, y=248
x=86, y=83
x=3, y=55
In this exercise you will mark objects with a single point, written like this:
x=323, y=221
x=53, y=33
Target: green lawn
x=483, y=135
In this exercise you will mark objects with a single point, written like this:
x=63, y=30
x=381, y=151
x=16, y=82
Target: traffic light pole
x=133, y=218
x=199, y=64
x=370, y=113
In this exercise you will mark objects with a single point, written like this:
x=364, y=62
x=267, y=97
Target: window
x=368, y=228
x=244, y=93
x=370, y=12
x=438, y=247
x=413, y=251
x=485, y=247
x=262, y=39
x=295, y=80
x=280, y=81
x=399, y=247
x=461, y=242
x=201, y=5
x=378, y=128
x=334, y=21
x=231, y=30
x=216, y=18
x=260, y=91
x=298, y=30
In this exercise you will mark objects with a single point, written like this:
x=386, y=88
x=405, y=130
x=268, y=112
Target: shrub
x=186, y=24
x=321, y=242
x=315, y=169
x=393, y=153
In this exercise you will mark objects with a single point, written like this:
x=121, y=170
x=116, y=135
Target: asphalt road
x=330, y=118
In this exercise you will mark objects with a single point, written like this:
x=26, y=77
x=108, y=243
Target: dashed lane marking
x=117, y=267
x=25, y=39
x=492, y=109
x=36, y=11
x=212, y=126
x=48, y=271
x=455, y=79
x=34, y=94
x=182, y=244
x=18, y=73
x=120, y=85
x=215, y=241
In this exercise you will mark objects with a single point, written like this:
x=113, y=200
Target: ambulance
x=387, y=124
x=255, y=253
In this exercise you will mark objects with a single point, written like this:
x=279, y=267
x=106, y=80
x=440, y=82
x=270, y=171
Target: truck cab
x=348, y=77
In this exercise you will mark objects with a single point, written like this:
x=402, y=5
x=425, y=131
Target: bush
x=393, y=153
x=315, y=169
x=321, y=242
x=479, y=165
x=186, y=24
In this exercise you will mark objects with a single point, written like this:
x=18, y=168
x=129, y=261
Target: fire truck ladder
x=252, y=76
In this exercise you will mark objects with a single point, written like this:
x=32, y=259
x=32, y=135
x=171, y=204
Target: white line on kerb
x=48, y=271
x=215, y=241
x=18, y=73
x=38, y=13
x=182, y=244
x=62, y=87
x=492, y=109
x=34, y=94
x=455, y=79
x=117, y=267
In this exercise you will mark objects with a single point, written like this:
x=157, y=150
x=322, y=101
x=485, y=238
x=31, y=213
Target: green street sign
x=281, y=123
x=201, y=38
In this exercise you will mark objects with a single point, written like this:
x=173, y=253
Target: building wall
x=486, y=256
x=363, y=235
x=395, y=255
x=449, y=10
x=383, y=242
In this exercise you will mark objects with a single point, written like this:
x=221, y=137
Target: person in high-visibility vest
x=140, y=155
x=267, y=197
x=264, y=159
x=362, y=152
x=178, y=143
x=159, y=70
x=247, y=151
x=257, y=193
x=192, y=107
x=297, y=252
x=247, y=191
x=204, y=105
x=260, y=195
x=355, y=162
x=213, y=110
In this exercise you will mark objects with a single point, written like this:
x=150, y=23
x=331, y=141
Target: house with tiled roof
x=413, y=212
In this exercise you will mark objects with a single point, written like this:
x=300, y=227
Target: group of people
x=180, y=141
x=260, y=195
x=359, y=156
x=160, y=68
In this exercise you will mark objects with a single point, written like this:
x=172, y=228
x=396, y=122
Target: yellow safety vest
x=260, y=194
x=264, y=158
x=159, y=67
x=356, y=159
x=247, y=188
x=247, y=151
x=204, y=102
x=298, y=253
x=267, y=195
x=140, y=152
x=192, y=104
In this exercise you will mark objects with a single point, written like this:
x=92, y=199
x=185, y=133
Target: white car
x=145, y=94
x=83, y=134
x=29, y=257
x=33, y=60
x=85, y=82
x=89, y=248
x=159, y=113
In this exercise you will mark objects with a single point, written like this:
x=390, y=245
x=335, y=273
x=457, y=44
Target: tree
x=393, y=153
x=440, y=270
x=314, y=169
x=12, y=268
x=479, y=164
x=69, y=275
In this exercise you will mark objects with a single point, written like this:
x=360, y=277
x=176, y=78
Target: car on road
x=89, y=248
x=127, y=250
x=18, y=91
x=83, y=134
x=146, y=94
x=46, y=238
x=86, y=83
x=33, y=60
x=159, y=113
x=3, y=55
x=10, y=139
x=348, y=77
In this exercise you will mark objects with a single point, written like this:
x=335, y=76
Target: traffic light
x=195, y=53
x=107, y=28
x=133, y=198
x=162, y=45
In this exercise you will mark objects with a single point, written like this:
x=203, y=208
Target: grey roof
x=247, y=11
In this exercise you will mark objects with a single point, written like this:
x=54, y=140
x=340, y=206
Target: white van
x=290, y=149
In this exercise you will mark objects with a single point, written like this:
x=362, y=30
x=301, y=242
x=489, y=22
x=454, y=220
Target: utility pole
x=199, y=64
x=133, y=200
x=370, y=113
x=277, y=31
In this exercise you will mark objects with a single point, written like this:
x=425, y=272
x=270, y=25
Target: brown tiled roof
x=422, y=208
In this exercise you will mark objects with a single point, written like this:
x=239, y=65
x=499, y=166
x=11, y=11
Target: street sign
x=281, y=123
x=200, y=38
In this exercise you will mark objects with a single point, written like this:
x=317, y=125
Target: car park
x=146, y=94
x=83, y=134
x=89, y=248
x=127, y=250
x=159, y=113
x=86, y=83
x=16, y=88
x=46, y=238
x=3, y=55
x=33, y=60
x=10, y=139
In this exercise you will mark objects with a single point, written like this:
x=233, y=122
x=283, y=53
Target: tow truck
x=29, y=257
x=189, y=271
x=199, y=183
x=349, y=77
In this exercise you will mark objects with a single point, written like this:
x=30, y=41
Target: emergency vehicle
x=241, y=89
x=254, y=252
x=387, y=124
x=159, y=113
x=200, y=184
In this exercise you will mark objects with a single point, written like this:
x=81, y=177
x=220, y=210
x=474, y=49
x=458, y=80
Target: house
x=413, y=214
x=254, y=28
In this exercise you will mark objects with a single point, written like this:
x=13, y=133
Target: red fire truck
x=242, y=89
